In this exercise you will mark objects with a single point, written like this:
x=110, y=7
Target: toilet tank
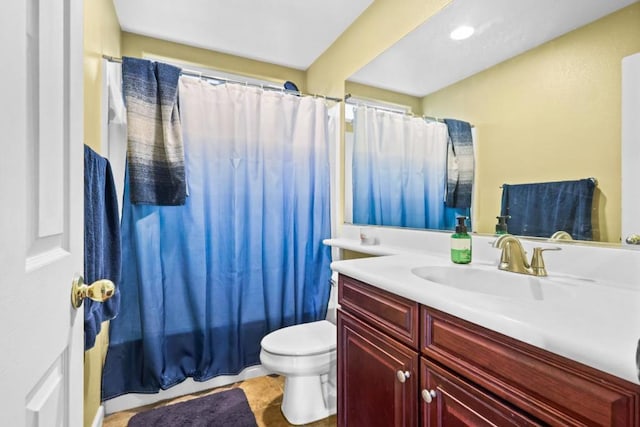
x=332, y=307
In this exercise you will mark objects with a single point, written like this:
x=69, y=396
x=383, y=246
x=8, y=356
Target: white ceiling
x=428, y=60
x=292, y=33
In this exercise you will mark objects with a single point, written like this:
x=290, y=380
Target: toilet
x=305, y=355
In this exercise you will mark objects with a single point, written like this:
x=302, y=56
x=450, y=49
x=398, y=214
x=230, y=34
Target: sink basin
x=490, y=280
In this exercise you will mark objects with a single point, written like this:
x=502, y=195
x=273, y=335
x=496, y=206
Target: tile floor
x=263, y=393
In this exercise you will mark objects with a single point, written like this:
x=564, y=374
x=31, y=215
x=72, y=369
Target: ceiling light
x=462, y=32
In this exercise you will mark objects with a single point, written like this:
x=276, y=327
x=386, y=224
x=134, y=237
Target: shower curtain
x=204, y=282
x=399, y=171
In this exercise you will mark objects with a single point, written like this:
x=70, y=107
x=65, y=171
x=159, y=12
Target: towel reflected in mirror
x=541, y=209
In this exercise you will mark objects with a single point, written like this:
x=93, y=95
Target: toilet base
x=308, y=398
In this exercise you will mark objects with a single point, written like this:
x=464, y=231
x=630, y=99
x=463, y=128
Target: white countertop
x=596, y=323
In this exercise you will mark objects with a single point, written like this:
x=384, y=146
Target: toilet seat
x=306, y=339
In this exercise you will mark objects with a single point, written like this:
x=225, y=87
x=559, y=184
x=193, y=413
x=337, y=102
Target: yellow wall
x=552, y=113
x=140, y=47
x=101, y=36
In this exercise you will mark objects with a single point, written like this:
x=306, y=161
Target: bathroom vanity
x=407, y=356
x=400, y=362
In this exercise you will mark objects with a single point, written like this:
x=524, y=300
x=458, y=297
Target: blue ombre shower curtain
x=399, y=171
x=204, y=282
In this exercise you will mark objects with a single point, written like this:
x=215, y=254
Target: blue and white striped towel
x=460, y=164
x=155, y=150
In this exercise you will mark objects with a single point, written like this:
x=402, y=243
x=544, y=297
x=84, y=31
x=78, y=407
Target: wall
x=140, y=47
x=101, y=36
x=550, y=114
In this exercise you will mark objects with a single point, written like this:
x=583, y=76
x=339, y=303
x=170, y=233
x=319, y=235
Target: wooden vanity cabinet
x=402, y=364
x=377, y=357
x=553, y=389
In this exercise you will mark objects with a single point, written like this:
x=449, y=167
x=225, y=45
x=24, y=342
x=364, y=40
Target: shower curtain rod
x=391, y=110
x=191, y=73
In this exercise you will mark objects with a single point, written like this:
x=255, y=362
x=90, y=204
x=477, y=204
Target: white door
x=41, y=212
x=631, y=149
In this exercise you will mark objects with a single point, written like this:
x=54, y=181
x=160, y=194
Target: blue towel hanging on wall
x=541, y=209
x=102, y=258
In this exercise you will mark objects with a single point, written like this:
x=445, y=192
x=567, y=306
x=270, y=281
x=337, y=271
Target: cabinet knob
x=403, y=375
x=428, y=395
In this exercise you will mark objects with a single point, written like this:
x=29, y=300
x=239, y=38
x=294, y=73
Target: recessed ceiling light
x=462, y=32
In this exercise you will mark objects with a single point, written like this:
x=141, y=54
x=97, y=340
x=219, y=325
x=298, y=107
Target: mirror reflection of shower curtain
x=204, y=282
x=399, y=171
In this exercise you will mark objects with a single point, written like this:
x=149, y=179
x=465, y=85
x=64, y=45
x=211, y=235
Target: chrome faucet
x=514, y=258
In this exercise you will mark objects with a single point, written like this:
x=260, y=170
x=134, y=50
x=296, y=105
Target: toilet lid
x=302, y=340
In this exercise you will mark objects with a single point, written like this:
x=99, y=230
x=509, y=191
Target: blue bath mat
x=223, y=409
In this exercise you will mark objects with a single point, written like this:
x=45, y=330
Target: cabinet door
x=447, y=400
x=377, y=378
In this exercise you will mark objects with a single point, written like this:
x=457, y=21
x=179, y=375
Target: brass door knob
x=100, y=290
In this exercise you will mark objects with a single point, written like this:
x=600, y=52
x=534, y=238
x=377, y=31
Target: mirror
x=539, y=80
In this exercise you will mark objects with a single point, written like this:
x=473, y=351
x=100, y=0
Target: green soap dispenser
x=461, y=243
x=501, y=226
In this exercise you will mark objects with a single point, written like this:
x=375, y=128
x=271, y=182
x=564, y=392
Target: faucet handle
x=537, y=262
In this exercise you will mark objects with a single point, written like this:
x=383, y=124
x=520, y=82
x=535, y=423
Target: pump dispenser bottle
x=461, y=243
x=501, y=226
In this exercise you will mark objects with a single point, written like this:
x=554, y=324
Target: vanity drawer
x=393, y=315
x=459, y=403
x=554, y=389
